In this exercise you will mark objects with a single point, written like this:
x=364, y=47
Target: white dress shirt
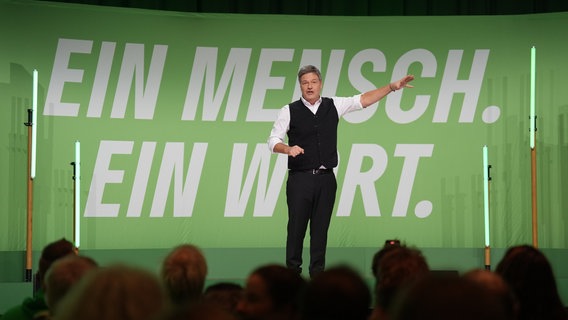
x=282, y=124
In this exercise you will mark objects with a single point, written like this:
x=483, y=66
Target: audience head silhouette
x=183, y=273
x=271, y=292
x=337, y=293
x=530, y=276
x=226, y=295
x=523, y=287
x=117, y=292
x=395, y=268
x=51, y=253
x=495, y=283
x=35, y=306
x=62, y=276
x=389, y=244
x=448, y=298
x=199, y=310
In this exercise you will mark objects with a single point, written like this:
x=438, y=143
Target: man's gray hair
x=308, y=69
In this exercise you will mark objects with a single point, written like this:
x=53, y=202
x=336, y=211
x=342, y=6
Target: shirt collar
x=308, y=104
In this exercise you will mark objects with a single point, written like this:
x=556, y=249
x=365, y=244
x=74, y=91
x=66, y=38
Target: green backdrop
x=173, y=111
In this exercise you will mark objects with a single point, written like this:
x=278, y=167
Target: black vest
x=315, y=133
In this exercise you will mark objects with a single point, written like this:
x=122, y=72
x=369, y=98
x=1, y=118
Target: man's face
x=311, y=87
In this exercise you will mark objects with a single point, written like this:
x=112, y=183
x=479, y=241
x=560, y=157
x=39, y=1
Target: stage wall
x=173, y=111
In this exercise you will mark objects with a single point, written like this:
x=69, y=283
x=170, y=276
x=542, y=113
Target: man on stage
x=311, y=126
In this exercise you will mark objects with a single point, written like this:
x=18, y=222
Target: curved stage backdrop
x=173, y=111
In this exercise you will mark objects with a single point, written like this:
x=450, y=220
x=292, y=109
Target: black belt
x=312, y=171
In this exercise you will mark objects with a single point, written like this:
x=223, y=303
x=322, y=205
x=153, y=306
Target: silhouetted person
x=199, y=310
x=530, y=276
x=336, y=294
x=448, y=298
x=62, y=276
x=271, y=293
x=35, y=306
x=225, y=295
x=183, y=273
x=495, y=283
x=389, y=244
x=116, y=292
x=395, y=268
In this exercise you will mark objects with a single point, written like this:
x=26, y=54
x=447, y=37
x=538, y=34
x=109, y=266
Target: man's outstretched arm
x=370, y=97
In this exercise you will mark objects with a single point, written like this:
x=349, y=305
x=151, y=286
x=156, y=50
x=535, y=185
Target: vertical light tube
x=532, y=98
x=34, y=125
x=532, y=143
x=77, y=221
x=486, y=195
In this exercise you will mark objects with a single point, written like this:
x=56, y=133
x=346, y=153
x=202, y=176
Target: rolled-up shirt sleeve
x=345, y=105
x=280, y=128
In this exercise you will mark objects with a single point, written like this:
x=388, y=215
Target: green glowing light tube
x=486, y=195
x=532, y=98
x=77, y=234
x=34, y=125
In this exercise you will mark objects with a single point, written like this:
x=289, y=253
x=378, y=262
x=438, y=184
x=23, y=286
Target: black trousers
x=310, y=198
